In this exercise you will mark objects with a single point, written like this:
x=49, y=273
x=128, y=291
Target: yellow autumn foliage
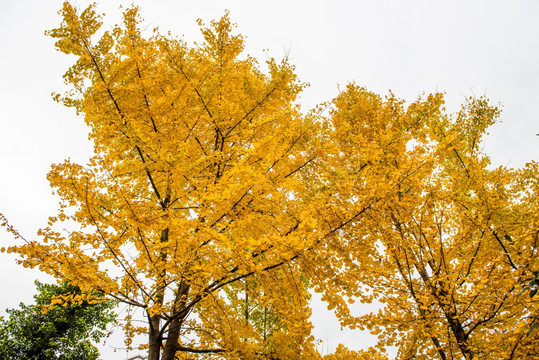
x=214, y=206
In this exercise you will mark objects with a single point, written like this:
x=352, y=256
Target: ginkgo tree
x=194, y=191
x=447, y=252
x=213, y=205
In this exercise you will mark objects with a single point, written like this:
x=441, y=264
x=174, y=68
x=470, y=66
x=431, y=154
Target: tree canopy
x=214, y=205
x=55, y=328
x=452, y=239
x=198, y=155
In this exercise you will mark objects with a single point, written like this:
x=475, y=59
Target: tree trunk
x=154, y=350
x=173, y=336
x=175, y=326
x=155, y=336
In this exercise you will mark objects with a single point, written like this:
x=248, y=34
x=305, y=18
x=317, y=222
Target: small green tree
x=48, y=330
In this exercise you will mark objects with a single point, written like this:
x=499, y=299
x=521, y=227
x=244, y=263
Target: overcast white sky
x=463, y=48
